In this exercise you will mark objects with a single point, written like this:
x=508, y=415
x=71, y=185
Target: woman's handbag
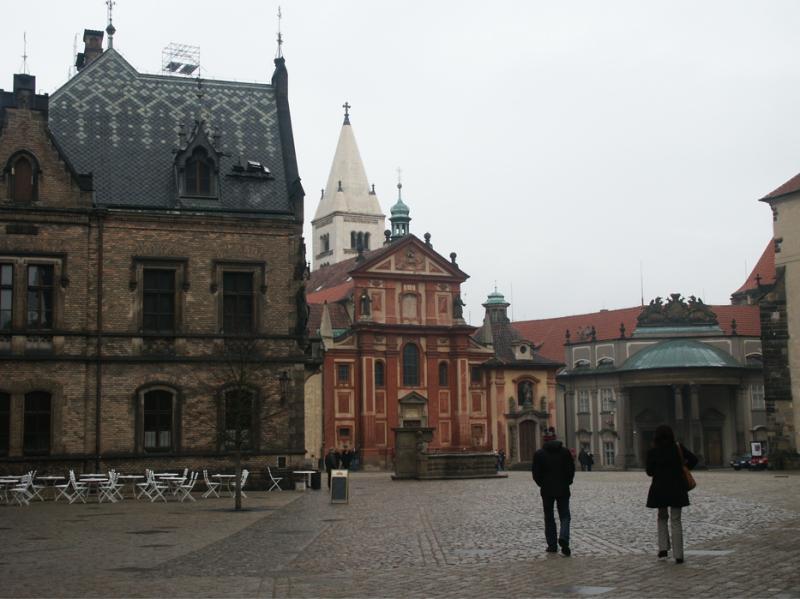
x=687, y=474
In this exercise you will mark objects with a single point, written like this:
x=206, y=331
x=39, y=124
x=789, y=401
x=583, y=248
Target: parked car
x=742, y=461
x=760, y=462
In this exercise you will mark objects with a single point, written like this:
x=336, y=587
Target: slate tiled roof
x=549, y=332
x=123, y=127
x=764, y=268
x=791, y=186
x=503, y=335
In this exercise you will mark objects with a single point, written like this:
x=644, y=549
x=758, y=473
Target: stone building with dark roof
x=153, y=225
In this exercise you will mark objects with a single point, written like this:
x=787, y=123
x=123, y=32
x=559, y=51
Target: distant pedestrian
x=668, y=490
x=346, y=458
x=553, y=471
x=331, y=463
x=590, y=461
x=583, y=459
x=501, y=460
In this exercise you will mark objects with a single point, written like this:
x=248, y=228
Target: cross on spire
x=347, y=108
x=279, y=54
x=25, y=52
x=110, y=30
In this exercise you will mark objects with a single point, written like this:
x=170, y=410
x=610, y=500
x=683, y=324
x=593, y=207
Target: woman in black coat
x=668, y=491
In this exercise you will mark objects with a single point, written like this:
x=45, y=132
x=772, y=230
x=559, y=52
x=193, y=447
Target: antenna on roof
x=180, y=59
x=279, y=53
x=110, y=30
x=25, y=52
x=641, y=281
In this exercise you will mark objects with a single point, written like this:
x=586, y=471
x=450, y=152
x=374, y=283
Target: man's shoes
x=662, y=554
x=565, y=551
x=678, y=560
x=551, y=549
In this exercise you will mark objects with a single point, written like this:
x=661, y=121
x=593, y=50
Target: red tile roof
x=791, y=186
x=764, y=268
x=340, y=319
x=549, y=332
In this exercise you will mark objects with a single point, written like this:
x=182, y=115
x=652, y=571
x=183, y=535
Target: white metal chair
x=33, y=488
x=152, y=488
x=72, y=490
x=212, y=488
x=21, y=493
x=274, y=480
x=141, y=488
x=109, y=491
x=184, y=489
x=245, y=474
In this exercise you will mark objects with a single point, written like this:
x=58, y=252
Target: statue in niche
x=366, y=304
x=458, y=307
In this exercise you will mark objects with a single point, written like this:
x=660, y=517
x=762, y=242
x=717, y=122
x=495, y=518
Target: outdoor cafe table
x=50, y=482
x=306, y=474
x=5, y=484
x=225, y=479
x=130, y=479
x=94, y=485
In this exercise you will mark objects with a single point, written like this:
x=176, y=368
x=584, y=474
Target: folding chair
x=78, y=490
x=212, y=487
x=274, y=481
x=185, y=489
x=33, y=488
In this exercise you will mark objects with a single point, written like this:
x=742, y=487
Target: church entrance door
x=713, y=448
x=527, y=440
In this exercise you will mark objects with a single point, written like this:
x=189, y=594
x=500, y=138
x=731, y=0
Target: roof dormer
x=197, y=166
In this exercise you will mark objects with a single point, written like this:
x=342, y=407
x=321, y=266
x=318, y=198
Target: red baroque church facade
x=407, y=358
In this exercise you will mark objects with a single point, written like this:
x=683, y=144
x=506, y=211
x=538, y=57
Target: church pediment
x=413, y=398
x=409, y=256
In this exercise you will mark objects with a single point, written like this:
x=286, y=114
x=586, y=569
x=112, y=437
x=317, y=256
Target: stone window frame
x=20, y=261
x=757, y=397
x=380, y=381
x=50, y=424
x=340, y=368
x=138, y=265
x=258, y=269
x=607, y=400
x=18, y=389
x=7, y=287
x=36, y=172
x=177, y=413
x=475, y=375
x=444, y=369
x=406, y=366
x=582, y=394
x=255, y=423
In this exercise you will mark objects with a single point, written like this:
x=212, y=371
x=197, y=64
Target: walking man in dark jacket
x=554, y=471
x=331, y=463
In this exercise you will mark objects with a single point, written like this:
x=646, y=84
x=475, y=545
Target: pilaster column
x=625, y=429
x=695, y=427
x=678, y=395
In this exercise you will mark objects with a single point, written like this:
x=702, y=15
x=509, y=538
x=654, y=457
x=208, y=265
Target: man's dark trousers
x=550, y=521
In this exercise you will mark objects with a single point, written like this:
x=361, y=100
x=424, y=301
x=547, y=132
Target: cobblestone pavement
x=437, y=538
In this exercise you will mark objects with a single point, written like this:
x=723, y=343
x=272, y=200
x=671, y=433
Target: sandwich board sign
x=340, y=486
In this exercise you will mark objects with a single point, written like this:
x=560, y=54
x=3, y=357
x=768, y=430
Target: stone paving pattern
x=412, y=539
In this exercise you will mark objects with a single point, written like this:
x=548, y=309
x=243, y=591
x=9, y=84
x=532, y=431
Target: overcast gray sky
x=555, y=146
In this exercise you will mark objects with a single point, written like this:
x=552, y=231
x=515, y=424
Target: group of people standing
x=554, y=472
x=335, y=460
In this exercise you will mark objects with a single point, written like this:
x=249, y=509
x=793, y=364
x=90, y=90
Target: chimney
x=24, y=90
x=93, y=48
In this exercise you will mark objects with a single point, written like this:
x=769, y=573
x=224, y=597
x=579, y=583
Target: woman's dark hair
x=664, y=436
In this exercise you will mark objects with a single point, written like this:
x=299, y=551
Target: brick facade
x=96, y=365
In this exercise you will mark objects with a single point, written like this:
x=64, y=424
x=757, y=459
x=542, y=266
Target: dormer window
x=23, y=172
x=198, y=174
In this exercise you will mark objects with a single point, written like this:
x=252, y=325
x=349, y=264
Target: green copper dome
x=680, y=353
x=495, y=298
x=399, y=209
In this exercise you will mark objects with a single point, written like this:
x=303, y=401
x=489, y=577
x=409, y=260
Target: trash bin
x=316, y=480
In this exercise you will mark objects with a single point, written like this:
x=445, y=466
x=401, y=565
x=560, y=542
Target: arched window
x=444, y=375
x=239, y=414
x=410, y=365
x=36, y=434
x=198, y=174
x=380, y=374
x=366, y=241
x=352, y=240
x=360, y=240
x=22, y=176
x=158, y=421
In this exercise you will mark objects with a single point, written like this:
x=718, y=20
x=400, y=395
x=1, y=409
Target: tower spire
x=347, y=108
x=110, y=29
x=279, y=53
x=400, y=218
